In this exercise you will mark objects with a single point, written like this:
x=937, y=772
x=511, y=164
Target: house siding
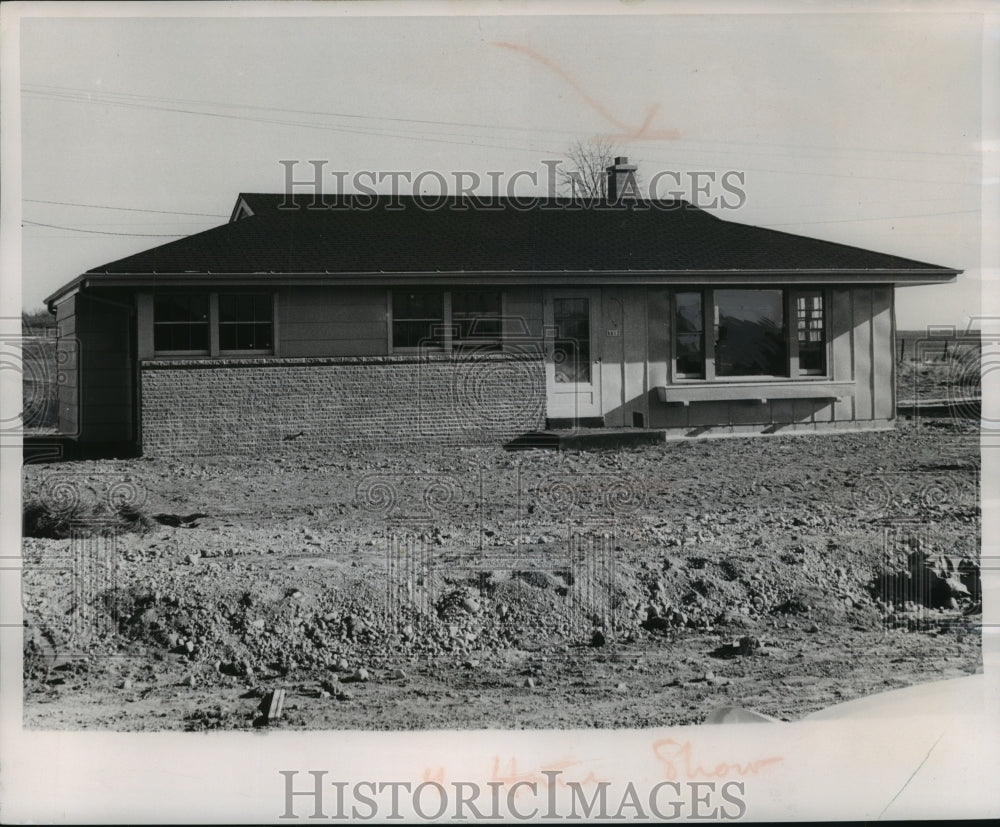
x=323, y=322
x=95, y=370
x=284, y=405
x=333, y=378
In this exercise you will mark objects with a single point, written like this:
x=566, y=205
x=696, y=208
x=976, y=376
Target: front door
x=572, y=354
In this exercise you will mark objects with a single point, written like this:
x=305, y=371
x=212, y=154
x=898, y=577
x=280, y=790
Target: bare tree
x=588, y=161
x=587, y=176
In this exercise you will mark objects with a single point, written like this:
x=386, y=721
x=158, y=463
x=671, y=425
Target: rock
x=503, y=610
x=529, y=683
x=342, y=665
x=408, y=632
x=189, y=680
x=471, y=605
x=621, y=687
x=597, y=639
x=258, y=623
x=191, y=559
x=710, y=676
x=747, y=645
x=189, y=646
x=344, y=695
x=813, y=628
x=397, y=675
x=126, y=684
x=361, y=674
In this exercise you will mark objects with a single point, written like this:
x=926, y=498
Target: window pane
x=245, y=321
x=689, y=338
x=810, y=332
x=180, y=322
x=180, y=308
x=227, y=337
x=475, y=316
x=572, y=345
x=417, y=318
x=418, y=305
x=227, y=308
x=417, y=334
x=749, y=335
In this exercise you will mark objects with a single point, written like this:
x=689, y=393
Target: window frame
x=214, y=350
x=790, y=327
x=450, y=342
x=219, y=323
x=482, y=344
x=445, y=313
x=171, y=352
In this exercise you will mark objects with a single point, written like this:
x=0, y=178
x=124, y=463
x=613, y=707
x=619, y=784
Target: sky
x=860, y=128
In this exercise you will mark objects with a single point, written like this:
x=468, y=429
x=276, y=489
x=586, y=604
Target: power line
x=90, y=93
x=104, y=232
x=80, y=94
x=92, y=98
x=125, y=209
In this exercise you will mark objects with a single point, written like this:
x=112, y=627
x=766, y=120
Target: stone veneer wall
x=275, y=405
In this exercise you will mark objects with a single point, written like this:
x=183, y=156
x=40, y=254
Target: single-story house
x=308, y=320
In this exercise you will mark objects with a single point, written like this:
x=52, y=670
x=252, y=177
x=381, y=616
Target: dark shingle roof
x=354, y=234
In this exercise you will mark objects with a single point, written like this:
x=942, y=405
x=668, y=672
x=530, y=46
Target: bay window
x=748, y=333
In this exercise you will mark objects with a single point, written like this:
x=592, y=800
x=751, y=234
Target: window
x=213, y=323
x=245, y=321
x=809, y=332
x=475, y=320
x=462, y=320
x=571, y=355
x=417, y=319
x=180, y=323
x=689, y=324
x=752, y=333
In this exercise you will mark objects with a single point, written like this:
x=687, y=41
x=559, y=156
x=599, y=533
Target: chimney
x=621, y=180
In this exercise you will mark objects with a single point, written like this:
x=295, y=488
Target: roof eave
x=381, y=278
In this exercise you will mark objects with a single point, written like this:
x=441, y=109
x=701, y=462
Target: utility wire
x=125, y=209
x=104, y=232
x=89, y=94
x=300, y=124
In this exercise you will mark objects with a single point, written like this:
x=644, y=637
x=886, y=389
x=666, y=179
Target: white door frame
x=572, y=400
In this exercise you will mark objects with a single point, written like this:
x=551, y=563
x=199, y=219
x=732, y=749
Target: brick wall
x=274, y=405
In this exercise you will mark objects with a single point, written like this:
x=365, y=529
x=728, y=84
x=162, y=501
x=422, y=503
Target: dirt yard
x=479, y=588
